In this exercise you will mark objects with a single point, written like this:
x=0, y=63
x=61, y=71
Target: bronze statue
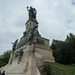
x=32, y=12
x=18, y=53
x=30, y=34
x=14, y=45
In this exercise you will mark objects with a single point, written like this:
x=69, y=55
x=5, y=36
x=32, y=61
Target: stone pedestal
x=30, y=53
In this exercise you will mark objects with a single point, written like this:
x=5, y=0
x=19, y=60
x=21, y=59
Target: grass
x=64, y=67
x=67, y=70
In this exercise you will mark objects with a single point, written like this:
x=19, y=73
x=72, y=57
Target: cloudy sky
x=56, y=19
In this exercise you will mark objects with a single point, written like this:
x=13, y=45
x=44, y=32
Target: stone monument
x=31, y=51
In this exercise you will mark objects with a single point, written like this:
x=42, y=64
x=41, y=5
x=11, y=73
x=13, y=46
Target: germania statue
x=32, y=12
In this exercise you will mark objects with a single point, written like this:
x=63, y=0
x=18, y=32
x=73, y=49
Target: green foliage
x=64, y=51
x=4, y=58
x=47, y=69
x=67, y=68
x=58, y=69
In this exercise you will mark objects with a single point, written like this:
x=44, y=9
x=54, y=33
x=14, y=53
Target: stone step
x=14, y=68
x=15, y=74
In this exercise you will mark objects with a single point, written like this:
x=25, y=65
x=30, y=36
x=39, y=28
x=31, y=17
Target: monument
x=31, y=51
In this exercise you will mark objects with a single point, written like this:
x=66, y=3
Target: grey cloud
x=54, y=17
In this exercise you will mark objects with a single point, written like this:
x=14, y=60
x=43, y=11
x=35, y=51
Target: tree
x=70, y=40
x=64, y=51
x=4, y=58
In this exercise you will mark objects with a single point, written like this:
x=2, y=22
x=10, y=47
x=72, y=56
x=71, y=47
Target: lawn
x=64, y=69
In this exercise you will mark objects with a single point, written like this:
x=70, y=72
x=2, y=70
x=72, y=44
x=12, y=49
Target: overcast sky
x=56, y=19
